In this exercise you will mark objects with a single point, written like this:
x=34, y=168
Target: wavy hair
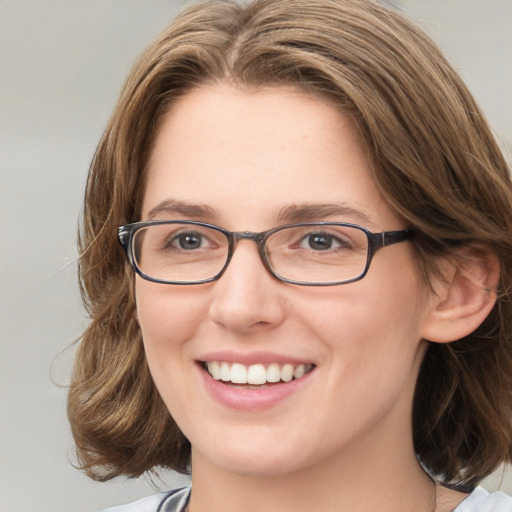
x=434, y=159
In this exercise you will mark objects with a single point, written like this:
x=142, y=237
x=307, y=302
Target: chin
x=260, y=460
x=258, y=466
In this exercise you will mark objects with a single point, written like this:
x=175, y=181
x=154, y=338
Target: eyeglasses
x=307, y=254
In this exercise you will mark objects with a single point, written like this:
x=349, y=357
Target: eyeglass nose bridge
x=258, y=238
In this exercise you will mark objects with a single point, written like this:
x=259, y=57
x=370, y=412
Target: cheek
x=373, y=324
x=167, y=318
x=373, y=349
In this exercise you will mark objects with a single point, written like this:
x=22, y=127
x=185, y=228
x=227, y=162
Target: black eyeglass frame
x=376, y=241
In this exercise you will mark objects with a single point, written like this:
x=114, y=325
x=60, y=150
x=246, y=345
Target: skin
x=247, y=156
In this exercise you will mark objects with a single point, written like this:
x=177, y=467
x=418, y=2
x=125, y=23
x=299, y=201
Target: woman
x=314, y=311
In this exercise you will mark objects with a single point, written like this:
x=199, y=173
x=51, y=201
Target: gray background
x=61, y=66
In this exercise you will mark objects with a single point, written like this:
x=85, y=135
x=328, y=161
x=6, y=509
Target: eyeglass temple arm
x=380, y=240
x=124, y=236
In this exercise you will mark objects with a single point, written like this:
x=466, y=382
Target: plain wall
x=62, y=63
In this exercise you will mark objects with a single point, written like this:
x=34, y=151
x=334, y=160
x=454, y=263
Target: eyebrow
x=173, y=206
x=312, y=212
x=288, y=214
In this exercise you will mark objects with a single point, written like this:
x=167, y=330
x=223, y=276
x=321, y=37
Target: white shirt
x=481, y=501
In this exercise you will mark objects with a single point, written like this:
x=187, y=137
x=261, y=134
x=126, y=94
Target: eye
x=322, y=242
x=189, y=241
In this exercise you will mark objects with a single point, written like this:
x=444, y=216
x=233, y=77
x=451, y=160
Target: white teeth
x=299, y=371
x=287, y=372
x=273, y=373
x=256, y=374
x=214, y=369
x=225, y=372
x=238, y=374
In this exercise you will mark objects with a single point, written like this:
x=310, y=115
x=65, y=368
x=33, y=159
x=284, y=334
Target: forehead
x=254, y=153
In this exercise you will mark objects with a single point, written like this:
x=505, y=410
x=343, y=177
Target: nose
x=247, y=298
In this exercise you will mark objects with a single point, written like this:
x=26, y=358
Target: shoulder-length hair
x=434, y=160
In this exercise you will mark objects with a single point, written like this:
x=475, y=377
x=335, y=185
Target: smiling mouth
x=256, y=374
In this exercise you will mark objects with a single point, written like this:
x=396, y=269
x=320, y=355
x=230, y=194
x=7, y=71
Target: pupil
x=189, y=241
x=320, y=242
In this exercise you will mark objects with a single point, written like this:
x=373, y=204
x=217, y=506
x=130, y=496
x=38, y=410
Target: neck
x=381, y=479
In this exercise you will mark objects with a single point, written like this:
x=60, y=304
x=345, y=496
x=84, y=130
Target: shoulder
x=169, y=501
x=482, y=501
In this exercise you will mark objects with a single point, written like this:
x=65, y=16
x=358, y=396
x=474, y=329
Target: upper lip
x=252, y=358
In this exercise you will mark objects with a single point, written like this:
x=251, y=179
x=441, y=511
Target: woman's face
x=250, y=161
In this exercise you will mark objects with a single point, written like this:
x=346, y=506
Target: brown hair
x=434, y=159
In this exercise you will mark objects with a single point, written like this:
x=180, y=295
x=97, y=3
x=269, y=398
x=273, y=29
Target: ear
x=465, y=294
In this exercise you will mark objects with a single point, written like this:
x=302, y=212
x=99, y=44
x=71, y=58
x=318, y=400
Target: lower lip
x=251, y=399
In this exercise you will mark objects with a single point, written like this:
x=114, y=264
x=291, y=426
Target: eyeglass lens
x=190, y=253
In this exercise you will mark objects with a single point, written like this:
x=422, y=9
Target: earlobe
x=464, y=296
